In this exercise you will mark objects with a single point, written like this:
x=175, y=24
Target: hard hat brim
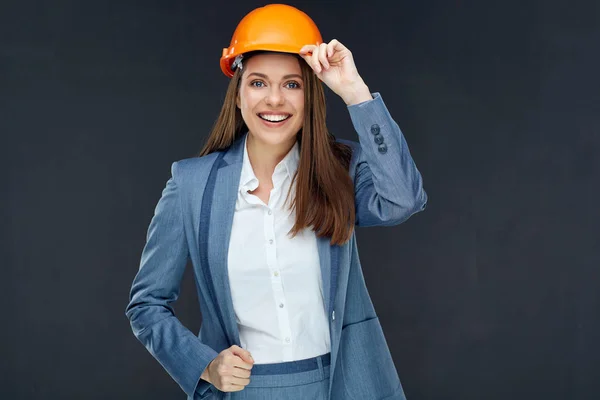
x=229, y=54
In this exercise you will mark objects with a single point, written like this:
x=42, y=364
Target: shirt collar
x=288, y=166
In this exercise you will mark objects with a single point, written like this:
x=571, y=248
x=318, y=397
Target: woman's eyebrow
x=266, y=77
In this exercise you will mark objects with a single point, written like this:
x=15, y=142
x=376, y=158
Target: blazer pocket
x=368, y=369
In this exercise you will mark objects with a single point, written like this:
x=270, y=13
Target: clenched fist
x=230, y=370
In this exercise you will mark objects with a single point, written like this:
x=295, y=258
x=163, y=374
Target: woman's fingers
x=323, y=55
x=307, y=53
x=330, y=48
x=318, y=57
x=315, y=60
x=335, y=45
x=234, y=380
x=307, y=48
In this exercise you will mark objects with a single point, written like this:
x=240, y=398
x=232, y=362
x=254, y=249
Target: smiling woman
x=276, y=115
x=272, y=89
x=266, y=87
x=285, y=309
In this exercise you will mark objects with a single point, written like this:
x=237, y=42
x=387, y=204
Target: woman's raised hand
x=334, y=65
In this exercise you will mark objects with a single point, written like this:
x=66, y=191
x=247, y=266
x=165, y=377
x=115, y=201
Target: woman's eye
x=289, y=85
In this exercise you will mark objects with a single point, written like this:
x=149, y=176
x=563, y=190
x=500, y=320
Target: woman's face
x=271, y=97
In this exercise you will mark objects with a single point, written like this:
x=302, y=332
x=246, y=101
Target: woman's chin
x=274, y=138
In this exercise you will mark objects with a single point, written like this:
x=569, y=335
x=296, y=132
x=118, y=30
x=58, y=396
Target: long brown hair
x=324, y=199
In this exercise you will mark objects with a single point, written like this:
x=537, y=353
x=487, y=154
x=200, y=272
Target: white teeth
x=273, y=118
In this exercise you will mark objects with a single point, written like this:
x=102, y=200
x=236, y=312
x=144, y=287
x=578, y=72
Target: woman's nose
x=275, y=97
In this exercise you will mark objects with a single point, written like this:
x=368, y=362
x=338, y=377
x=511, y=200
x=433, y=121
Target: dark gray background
x=491, y=293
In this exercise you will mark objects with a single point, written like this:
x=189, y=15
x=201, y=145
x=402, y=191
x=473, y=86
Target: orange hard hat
x=274, y=27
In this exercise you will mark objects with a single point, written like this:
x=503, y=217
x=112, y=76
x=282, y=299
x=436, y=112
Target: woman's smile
x=274, y=120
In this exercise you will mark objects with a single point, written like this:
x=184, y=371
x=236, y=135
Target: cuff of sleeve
x=374, y=125
x=203, y=387
x=376, y=99
x=369, y=115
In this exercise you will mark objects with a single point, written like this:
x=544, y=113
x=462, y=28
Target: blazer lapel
x=222, y=207
x=325, y=261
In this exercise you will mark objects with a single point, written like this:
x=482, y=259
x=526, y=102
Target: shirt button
x=270, y=241
x=287, y=339
x=270, y=212
x=276, y=273
x=333, y=315
x=280, y=305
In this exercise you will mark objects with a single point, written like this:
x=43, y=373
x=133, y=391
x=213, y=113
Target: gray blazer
x=193, y=219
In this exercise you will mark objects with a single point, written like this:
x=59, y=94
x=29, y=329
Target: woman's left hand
x=333, y=64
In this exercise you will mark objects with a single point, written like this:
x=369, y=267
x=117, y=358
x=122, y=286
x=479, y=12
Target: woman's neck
x=264, y=158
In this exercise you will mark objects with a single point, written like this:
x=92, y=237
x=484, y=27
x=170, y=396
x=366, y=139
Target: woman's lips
x=273, y=123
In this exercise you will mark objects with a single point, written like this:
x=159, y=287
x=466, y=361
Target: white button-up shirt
x=275, y=280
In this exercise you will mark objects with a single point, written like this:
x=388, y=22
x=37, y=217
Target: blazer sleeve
x=388, y=187
x=156, y=285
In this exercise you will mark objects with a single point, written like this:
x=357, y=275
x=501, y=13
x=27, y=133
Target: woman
x=267, y=216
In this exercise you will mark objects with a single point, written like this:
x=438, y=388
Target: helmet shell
x=274, y=27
